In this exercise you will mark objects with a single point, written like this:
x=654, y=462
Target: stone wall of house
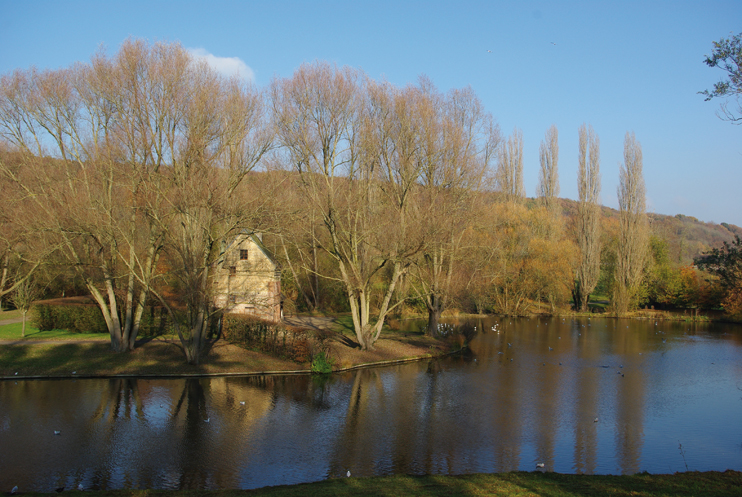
x=247, y=281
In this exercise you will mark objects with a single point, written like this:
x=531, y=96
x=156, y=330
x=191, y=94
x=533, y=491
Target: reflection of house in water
x=247, y=280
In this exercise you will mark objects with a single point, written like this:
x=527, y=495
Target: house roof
x=253, y=235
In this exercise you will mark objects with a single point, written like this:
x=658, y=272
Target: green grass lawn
x=13, y=332
x=344, y=325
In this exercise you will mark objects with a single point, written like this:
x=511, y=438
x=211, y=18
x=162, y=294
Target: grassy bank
x=91, y=355
x=158, y=357
x=728, y=483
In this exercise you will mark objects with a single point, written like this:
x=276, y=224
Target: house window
x=232, y=271
x=232, y=299
x=243, y=254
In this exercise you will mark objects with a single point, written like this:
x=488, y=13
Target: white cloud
x=228, y=66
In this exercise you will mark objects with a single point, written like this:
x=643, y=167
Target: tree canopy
x=727, y=55
x=725, y=262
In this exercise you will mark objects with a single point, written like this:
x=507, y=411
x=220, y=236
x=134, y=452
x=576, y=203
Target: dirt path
x=10, y=321
x=313, y=322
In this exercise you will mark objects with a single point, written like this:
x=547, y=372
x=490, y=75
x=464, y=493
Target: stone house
x=247, y=279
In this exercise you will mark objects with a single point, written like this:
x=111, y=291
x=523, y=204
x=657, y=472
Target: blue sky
x=619, y=66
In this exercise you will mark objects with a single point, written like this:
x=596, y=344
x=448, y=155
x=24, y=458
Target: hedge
x=73, y=318
x=266, y=336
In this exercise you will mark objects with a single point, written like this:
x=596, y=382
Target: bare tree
x=355, y=143
x=510, y=168
x=318, y=118
x=457, y=155
x=26, y=291
x=115, y=155
x=19, y=256
x=223, y=137
x=548, y=184
x=81, y=167
x=587, y=222
x=633, y=236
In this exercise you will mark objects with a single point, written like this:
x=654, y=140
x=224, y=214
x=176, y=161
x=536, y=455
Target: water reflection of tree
x=587, y=391
x=547, y=393
x=118, y=399
x=630, y=398
x=423, y=419
x=211, y=453
x=194, y=443
x=188, y=439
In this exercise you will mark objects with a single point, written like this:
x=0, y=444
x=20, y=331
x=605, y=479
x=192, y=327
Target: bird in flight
x=553, y=43
x=489, y=51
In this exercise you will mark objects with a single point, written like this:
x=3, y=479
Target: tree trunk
x=109, y=314
x=194, y=346
x=579, y=297
x=4, y=279
x=315, y=267
x=434, y=303
x=434, y=317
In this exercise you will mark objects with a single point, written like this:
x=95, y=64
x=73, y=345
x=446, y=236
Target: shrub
x=43, y=317
x=73, y=318
x=322, y=363
x=266, y=336
x=300, y=350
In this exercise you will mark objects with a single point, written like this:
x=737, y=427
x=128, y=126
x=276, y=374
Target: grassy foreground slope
x=728, y=483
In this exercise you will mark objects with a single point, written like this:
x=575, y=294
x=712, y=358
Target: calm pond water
x=580, y=396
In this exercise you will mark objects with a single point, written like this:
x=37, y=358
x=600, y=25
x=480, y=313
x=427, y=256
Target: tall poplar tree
x=633, y=233
x=548, y=185
x=510, y=168
x=587, y=223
